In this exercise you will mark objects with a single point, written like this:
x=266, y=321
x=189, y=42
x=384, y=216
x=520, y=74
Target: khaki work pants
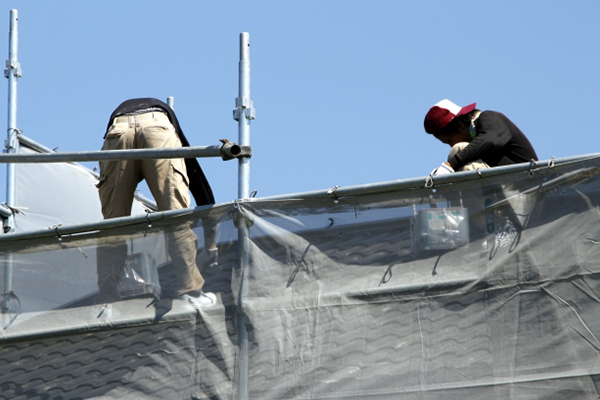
x=168, y=182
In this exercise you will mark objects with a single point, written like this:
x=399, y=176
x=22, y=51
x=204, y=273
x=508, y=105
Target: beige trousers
x=168, y=182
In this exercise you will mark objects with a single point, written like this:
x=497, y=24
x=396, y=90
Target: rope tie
x=429, y=181
x=531, y=166
x=15, y=210
x=148, y=218
x=333, y=191
x=58, y=235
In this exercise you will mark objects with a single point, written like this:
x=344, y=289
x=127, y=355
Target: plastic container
x=439, y=229
x=140, y=276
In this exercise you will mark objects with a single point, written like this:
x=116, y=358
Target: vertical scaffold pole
x=244, y=113
x=12, y=72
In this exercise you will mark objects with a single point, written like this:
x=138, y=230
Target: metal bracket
x=14, y=66
x=6, y=211
x=12, y=141
x=246, y=151
x=246, y=106
x=230, y=150
x=249, y=113
x=243, y=102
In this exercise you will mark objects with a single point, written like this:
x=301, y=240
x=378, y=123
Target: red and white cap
x=442, y=113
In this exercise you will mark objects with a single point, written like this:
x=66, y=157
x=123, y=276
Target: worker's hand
x=443, y=169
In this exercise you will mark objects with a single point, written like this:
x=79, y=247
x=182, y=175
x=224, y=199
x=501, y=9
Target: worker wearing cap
x=492, y=138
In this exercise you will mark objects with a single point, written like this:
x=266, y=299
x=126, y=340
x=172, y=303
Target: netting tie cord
x=148, y=218
x=333, y=191
x=551, y=162
x=7, y=297
x=479, y=171
x=531, y=167
x=58, y=235
x=429, y=181
x=15, y=210
x=12, y=295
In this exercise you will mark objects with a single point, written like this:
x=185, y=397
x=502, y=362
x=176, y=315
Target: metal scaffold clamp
x=231, y=150
x=13, y=65
x=12, y=141
x=246, y=106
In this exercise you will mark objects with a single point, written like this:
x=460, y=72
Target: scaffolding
x=243, y=114
x=469, y=285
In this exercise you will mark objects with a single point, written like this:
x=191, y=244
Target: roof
x=341, y=305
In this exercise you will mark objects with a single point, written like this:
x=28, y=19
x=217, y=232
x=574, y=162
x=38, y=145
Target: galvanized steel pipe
x=134, y=154
x=419, y=182
x=374, y=188
x=243, y=114
x=12, y=72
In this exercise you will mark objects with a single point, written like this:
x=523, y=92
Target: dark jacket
x=498, y=142
x=199, y=185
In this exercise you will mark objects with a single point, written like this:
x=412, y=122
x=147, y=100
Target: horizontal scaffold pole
x=93, y=227
x=226, y=151
x=421, y=182
x=380, y=187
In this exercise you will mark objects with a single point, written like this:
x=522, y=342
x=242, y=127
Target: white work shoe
x=205, y=299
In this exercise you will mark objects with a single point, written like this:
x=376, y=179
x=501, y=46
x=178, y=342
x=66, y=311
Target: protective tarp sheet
x=374, y=296
x=50, y=194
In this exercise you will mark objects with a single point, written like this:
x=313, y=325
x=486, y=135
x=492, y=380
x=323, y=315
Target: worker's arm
x=492, y=135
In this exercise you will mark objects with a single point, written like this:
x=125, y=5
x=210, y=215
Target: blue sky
x=340, y=88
